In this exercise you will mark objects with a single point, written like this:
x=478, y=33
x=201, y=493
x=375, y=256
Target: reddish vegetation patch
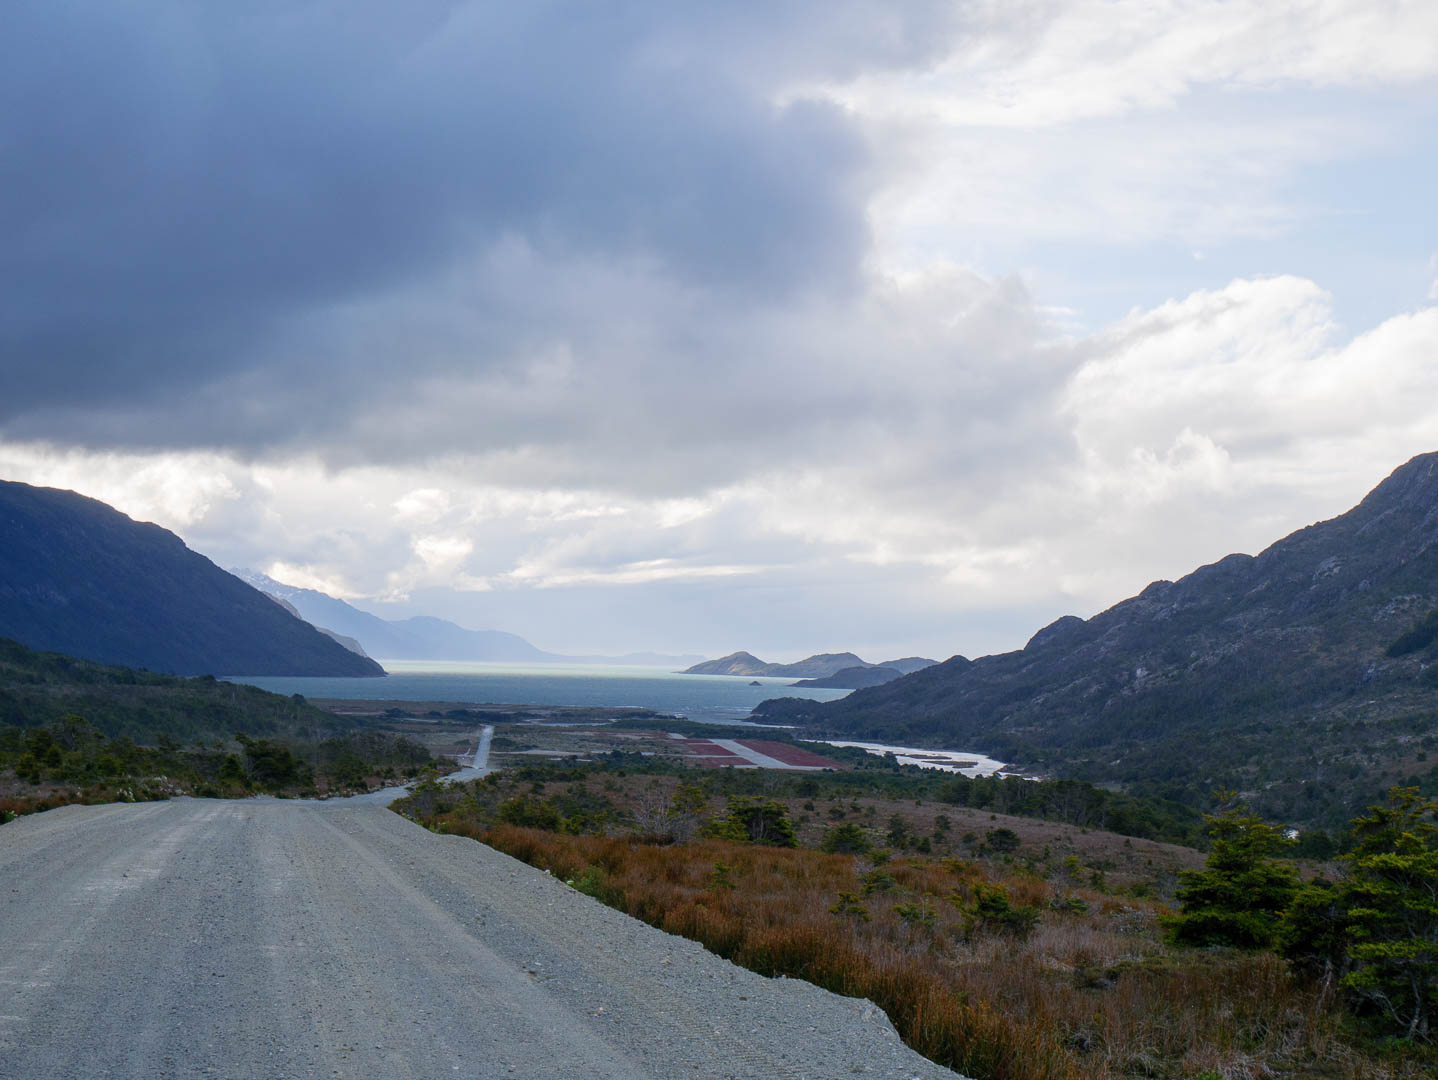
x=704, y=752
x=789, y=755
x=707, y=752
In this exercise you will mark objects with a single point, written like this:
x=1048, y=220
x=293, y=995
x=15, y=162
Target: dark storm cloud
x=183, y=183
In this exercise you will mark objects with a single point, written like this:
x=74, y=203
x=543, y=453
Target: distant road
x=279, y=939
x=480, y=758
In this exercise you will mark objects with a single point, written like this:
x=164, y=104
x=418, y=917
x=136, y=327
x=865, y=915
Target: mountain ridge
x=422, y=637
x=80, y=578
x=1266, y=674
x=854, y=678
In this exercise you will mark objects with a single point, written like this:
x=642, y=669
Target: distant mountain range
x=424, y=637
x=1305, y=678
x=79, y=577
x=843, y=671
x=348, y=642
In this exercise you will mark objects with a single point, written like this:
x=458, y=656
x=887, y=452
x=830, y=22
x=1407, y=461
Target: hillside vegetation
x=39, y=688
x=1005, y=948
x=1303, y=677
x=76, y=731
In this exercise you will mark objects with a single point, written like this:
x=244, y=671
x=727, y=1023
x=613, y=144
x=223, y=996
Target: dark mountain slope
x=348, y=642
x=80, y=578
x=1271, y=675
x=854, y=678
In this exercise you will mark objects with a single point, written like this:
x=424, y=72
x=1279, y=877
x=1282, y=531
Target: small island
x=838, y=671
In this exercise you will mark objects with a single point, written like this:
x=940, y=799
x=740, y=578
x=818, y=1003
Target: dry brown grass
x=1095, y=994
x=47, y=799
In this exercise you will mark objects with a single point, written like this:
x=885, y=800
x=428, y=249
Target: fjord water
x=707, y=698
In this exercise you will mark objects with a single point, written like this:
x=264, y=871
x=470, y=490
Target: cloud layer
x=716, y=329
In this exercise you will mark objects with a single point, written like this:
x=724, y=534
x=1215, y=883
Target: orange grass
x=1084, y=996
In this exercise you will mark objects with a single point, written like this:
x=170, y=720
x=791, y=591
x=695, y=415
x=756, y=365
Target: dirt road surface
x=270, y=940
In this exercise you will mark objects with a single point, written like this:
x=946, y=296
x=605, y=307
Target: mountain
x=348, y=642
x=909, y=664
x=1304, y=678
x=854, y=678
x=736, y=663
x=423, y=637
x=818, y=666
x=865, y=675
x=81, y=578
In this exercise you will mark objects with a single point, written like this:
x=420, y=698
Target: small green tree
x=1239, y=897
x=1002, y=840
x=1392, y=911
x=754, y=820
x=846, y=839
x=990, y=910
x=851, y=906
x=686, y=806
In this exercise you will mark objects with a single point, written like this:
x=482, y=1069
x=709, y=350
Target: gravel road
x=203, y=938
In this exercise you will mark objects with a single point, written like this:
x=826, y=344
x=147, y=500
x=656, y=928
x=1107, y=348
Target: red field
x=709, y=753
x=790, y=755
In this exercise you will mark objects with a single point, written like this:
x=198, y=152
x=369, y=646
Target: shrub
x=849, y=905
x=847, y=839
x=1001, y=840
x=753, y=820
x=529, y=813
x=991, y=910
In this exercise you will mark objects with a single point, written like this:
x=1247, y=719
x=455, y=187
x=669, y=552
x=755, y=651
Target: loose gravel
x=203, y=938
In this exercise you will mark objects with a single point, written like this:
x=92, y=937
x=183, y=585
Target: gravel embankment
x=272, y=939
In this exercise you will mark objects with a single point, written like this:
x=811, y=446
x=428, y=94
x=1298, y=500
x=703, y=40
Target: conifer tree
x=1239, y=897
x=1392, y=902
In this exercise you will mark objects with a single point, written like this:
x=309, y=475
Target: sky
x=904, y=328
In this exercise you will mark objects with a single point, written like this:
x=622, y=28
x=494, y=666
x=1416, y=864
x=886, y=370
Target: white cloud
x=991, y=468
x=1036, y=63
x=646, y=572
x=1252, y=367
x=302, y=577
x=422, y=505
x=766, y=365
x=175, y=490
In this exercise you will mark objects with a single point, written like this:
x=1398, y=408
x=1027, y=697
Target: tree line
x=1371, y=934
